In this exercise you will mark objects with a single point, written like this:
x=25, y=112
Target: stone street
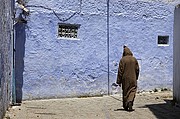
x=157, y=105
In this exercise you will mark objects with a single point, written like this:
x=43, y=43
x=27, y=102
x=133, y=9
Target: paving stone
x=146, y=105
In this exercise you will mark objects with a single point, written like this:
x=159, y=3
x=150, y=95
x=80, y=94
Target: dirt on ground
x=147, y=105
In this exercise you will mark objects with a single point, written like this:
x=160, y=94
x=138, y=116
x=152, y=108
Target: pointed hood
x=127, y=51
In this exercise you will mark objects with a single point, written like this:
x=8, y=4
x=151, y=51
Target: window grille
x=68, y=30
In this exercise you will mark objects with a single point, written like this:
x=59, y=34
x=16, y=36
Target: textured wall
x=176, y=86
x=55, y=67
x=5, y=55
x=138, y=24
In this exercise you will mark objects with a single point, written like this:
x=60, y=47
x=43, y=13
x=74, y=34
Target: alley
x=147, y=106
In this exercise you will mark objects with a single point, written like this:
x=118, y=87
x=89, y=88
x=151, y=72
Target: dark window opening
x=163, y=40
x=68, y=30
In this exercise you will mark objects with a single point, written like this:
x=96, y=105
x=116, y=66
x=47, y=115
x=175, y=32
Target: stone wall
x=5, y=55
x=59, y=67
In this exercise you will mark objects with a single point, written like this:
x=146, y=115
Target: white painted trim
x=163, y=45
x=63, y=38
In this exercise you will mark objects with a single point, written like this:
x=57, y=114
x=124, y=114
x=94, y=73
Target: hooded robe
x=128, y=73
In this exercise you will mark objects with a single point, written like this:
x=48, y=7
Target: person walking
x=128, y=73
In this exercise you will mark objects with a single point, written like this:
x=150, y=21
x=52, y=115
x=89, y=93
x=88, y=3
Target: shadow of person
x=119, y=109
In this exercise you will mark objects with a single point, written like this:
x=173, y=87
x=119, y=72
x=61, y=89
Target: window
x=68, y=30
x=163, y=40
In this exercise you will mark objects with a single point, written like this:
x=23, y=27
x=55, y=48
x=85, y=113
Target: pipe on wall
x=108, y=43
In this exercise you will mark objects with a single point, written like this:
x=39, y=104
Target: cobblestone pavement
x=147, y=106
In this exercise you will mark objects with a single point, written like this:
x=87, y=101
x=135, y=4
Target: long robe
x=128, y=73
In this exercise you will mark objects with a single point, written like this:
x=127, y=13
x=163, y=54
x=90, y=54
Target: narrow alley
x=147, y=105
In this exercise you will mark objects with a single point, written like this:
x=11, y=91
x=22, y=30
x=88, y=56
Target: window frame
x=165, y=37
x=68, y=26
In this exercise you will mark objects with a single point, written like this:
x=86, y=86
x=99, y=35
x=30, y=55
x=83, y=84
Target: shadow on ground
x=164, y=110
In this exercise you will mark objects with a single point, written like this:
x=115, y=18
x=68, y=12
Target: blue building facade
x=6, y=54
x=176, y=64
x=56, y=65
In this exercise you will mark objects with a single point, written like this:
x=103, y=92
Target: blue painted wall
x=56, y=67
x=176, y=56
x=138, y=24
x=6, y=56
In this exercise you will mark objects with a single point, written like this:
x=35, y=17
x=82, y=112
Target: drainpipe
x=108, y=43
x=13, y=72
x=13, y=67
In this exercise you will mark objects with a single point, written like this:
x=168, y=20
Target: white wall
x=176, y=79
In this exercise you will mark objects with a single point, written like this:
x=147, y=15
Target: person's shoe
x=130, y=106
x=131, y=109
x=126, y=108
